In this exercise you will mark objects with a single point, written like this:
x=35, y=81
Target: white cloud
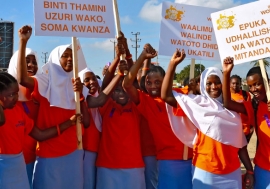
x=125, y=20
x=151, y=11
x=220, y=4
x=106, y=45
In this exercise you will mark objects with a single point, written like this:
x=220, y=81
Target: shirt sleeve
x=103, y=109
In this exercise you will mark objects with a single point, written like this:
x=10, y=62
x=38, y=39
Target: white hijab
x=208, y=115
x=54, y=83
x=94, y=111
x=12, y=70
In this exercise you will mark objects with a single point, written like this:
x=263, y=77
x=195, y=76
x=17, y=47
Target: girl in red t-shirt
x=174, y=159
x=12, y=135
x=258, y=114
x=29, y=105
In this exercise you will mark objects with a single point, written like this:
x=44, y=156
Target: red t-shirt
x=213, y=156
x=29, y=148
x=168, y=146
x=50, y=116
x=262, y=156
x=12, y=133
x=147, y=140
x=120, y=137
x=91, y=136
x=238, y=97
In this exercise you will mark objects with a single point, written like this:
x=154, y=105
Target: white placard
x=243, y=32
x=79, y=18
x=188, y=27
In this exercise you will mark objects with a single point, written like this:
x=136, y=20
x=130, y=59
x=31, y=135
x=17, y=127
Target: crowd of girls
x=138, y=131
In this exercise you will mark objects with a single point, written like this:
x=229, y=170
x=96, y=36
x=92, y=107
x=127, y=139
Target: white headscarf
x=208, y=115
x=54, y=83
x=12, y=70
x=94, y=111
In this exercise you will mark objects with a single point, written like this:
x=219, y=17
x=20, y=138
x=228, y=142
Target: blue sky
x=135, y=15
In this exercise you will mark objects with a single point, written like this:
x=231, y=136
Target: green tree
x=199, y=68
x=266, y=62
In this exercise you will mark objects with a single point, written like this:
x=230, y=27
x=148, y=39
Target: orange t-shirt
x=12, y=133
x=30, y=144
x=91, y=136
x=213, y=156
x=238, y=97
x=262, y=156
x=147, y=140
x=50, y=116
x=168, y=146
x=120, y=137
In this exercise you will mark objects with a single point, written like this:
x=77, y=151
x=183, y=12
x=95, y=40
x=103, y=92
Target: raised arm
x=166, y=88
x=148, y=52
x=24, y=33
x=111, y=69
x=94, y=102
x=41, y=135
x=227, y=101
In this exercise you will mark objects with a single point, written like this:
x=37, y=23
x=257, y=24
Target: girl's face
x=235, y=84
x=213, y=86
x=256, y=87
x=90, y=81
x=32, y=66
x=153, y=82
x=119, y=95
x=9, y=97
x=66, y=60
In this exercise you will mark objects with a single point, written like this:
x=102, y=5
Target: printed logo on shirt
x=20, y=124
x=127, y=110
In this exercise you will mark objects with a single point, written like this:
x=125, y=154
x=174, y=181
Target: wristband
x=129, y=56
x=250, y=172
x=145, y=68
x=120, y=73
x=82, y=99
x=58, y=130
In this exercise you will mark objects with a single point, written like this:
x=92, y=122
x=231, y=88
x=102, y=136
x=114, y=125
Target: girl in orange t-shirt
x=257, y=111
x=30, y=107
x=241, y=96
x=174, y=166
x=217, y=130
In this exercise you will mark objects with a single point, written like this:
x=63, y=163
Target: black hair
x=152, y=68
x=186, y=81
x=157, y=69
x=6, y=80
x=236, y=77
x=256, y=70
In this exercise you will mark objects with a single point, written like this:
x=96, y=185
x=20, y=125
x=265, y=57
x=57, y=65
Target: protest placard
x=243, y=32
x=80, y=18
x=190, y=28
